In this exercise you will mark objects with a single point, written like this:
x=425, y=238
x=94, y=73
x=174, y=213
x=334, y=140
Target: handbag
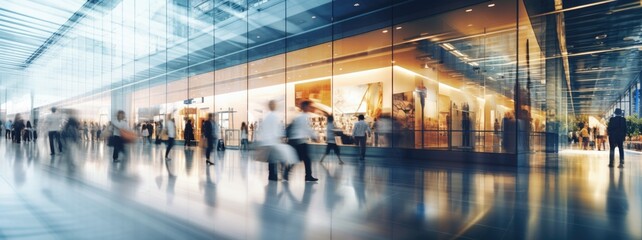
x=128, y=136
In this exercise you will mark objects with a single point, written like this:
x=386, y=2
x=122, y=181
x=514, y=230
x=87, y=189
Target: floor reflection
x=82, y=194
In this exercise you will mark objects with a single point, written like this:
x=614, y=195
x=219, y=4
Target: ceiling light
x=601, y=36
x=356, y=4
x=384, y=31
x=469, y=10
x=448, y=46
x=399, y=28
x=470, y=25
x=491, y=5
x=258, y=36
x=313, y=17
x=458, y=53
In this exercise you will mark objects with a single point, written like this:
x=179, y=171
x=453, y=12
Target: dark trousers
x=620, y=146
x=7, y=134
x=119, y=146
x=210, y=147
x=170, y=144
x=361, y=142
x=244, y=144
x=54, y=135
x=302, y=152
x=272, y=170
x=333, y=147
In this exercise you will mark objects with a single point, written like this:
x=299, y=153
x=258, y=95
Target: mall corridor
x=85, y=195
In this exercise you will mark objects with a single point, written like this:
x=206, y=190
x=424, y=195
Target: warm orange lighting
x=469, y=10
x=384, y=31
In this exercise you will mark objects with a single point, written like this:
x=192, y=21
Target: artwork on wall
x=403, y=109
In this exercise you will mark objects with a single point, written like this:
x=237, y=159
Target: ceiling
x=604, y=46
x=113, y=44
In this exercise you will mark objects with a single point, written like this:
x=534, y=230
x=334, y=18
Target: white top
x=329, y=133
x=360, y=129
x=271, y=131
x=171, y=129
x=301, y=128
x=53, y=122
x=601, y=131
x=117, y=125
x=243, y=134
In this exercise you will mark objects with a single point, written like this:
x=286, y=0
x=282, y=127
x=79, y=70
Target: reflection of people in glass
x=465, y=127
x=509, y=128
x=332, y=144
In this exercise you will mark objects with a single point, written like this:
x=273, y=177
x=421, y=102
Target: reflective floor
x=82, y=194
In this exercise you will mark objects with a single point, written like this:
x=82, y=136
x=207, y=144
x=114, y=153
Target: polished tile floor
x=81, y=194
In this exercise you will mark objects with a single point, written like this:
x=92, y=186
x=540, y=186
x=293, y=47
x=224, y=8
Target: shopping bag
x=203, y=142
x=128, y=136
x=262, y=154
x=164, y=135
x=283, y=153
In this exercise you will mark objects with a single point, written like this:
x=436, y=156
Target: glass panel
x=231, y=77
x=452, y=80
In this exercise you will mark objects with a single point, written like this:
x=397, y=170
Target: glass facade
x=478, y=76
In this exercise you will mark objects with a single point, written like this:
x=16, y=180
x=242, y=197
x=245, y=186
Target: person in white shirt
x=119, y=143
x=171, y=135
x=298, y=135
x=332, y=144
x=360, y=131
x=53, y=124
x=269, y=134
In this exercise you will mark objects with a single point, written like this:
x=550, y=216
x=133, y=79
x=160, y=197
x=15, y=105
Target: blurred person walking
x=617, y=134
x=171, y=135
x=85, y=130
x=159, y=129
x=269, y=135
x=71, y=135
x=29, y=132
x=332, y=144
x=360, y=132
x=244, y=135
x=7, y=127
x=150, y=132
x=120, y=133
x=210, y=134
x=585, y=137
x=298, y=133
x=18, y=126
x=601, y=138
x=188, y=133
x=53, y=123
